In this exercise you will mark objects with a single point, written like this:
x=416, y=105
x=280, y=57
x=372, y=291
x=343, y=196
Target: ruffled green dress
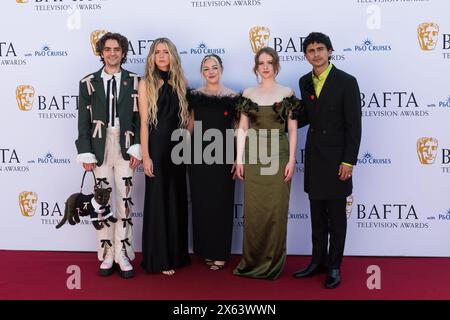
x=266, y=195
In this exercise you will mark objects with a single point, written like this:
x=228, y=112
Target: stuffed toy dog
x=94, y=205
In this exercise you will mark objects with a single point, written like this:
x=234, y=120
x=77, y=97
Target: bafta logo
x=349, y=206
x=25, y=97
x=427, y=149
x=28, y=203
x=427, y=33
x=259, y=37
x=95, y=36
x=21, y=1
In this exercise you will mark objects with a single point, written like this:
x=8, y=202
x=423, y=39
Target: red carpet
x=42, y=275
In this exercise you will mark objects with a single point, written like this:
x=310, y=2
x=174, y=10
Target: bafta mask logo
x=21, y=1
x=259, y=37
x=427, y=33
x=349, y=206
x=95, y=36
x=28, y=203
x=25, y=97
x=427, y=149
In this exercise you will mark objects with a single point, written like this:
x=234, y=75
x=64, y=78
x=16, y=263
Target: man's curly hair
x=122, y=40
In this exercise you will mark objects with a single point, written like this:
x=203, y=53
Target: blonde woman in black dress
x=163, y=108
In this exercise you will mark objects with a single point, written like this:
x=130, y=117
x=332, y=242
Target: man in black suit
x=333, y=111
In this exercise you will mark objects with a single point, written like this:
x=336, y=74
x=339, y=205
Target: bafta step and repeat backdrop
x=399, y=50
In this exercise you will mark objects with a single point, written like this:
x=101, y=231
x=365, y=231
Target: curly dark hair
x=317, y=37
x=122, y=40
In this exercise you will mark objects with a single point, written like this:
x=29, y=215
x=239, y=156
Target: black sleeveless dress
x=211, y=184
x=165, y=231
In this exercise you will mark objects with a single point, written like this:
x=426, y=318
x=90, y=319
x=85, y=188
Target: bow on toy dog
x=94, y=205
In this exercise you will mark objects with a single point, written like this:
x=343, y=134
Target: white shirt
x=106, y=77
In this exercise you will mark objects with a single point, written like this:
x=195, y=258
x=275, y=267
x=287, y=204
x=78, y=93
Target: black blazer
x=334, y=133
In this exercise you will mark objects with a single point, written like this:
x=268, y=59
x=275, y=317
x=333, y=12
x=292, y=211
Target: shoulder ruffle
x=247, y=107
x=288, y=105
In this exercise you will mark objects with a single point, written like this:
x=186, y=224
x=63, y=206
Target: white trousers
x=115, y=172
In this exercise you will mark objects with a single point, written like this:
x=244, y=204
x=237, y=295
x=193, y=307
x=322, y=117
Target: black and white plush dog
x=94, y=205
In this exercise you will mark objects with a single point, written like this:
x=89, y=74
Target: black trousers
x=328, y=218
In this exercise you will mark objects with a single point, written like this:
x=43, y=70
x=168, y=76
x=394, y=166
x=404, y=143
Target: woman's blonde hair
x=176, y=80
x=214, y=57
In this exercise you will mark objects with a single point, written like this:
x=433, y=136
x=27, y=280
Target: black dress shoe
x=333, y=279
x=310, y=271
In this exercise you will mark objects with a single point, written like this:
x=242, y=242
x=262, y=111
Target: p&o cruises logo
x=203, y=49
x=369, y=46
x=47, y=51
x=443, y=104
x=50, y=159
x=444, y=216
x=369, y=159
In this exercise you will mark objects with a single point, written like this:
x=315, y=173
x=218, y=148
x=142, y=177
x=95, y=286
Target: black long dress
x=165, y=232
x=211, y=185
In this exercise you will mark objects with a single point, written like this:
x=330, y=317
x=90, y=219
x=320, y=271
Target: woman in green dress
x=266, y=167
